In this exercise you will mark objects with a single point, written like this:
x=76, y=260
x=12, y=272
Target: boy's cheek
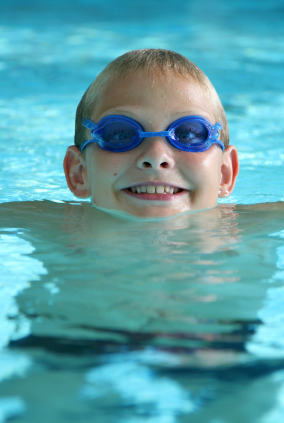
x=204, y=167
x=103, y=170
x=107, y=162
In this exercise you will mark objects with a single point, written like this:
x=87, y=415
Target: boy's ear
x=229, y=171
x=74, y=166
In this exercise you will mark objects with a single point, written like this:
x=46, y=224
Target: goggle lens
x=191, y=132
x=118, y=133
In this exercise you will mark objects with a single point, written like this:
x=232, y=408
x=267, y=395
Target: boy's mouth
x=155, y=192
x=152, y=189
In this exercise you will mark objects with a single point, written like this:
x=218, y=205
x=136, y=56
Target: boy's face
x=155, y=103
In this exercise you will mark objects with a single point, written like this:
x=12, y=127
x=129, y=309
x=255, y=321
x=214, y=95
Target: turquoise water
x=109, y=320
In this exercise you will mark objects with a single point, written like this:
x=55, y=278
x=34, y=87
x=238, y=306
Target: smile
x=152, y=189
x=155, y=192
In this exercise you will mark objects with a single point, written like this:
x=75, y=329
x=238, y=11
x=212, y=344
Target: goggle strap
x=89, y=124
x=215, y=134
x=155, y=134
x=87, y=143
x=220, y=143
x=217, y=126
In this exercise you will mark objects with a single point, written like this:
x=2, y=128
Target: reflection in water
x=17, y=270
x=128, y=313
x=268, y=341
x=139, y=386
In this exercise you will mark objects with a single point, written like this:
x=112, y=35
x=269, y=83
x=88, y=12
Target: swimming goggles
x=120, y=133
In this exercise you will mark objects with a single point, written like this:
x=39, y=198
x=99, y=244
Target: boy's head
x=154, y=88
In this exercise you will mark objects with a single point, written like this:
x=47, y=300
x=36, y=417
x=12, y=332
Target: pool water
x=105, y=319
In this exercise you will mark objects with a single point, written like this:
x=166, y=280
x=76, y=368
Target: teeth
x=160, y=189
x=151, y=189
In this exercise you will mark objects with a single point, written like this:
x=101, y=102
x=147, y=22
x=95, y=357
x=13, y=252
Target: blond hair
x=162, y=62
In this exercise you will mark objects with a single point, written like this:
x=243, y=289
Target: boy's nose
x=156, y=153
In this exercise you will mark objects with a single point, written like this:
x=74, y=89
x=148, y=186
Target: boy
x=151, y=138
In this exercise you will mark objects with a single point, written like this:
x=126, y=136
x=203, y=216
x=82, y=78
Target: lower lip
x=155, y=197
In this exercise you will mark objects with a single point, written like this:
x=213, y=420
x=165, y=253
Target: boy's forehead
x=142, y=88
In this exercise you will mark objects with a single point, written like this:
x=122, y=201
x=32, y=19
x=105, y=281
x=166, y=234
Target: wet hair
x=163, y=63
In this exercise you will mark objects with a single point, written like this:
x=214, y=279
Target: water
x=109, y=320
x=188, y=327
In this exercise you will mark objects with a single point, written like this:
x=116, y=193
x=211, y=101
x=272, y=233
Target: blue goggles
x=120, y=133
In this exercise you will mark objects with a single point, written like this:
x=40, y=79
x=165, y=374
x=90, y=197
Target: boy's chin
x=147, y=212
x=154, y=212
